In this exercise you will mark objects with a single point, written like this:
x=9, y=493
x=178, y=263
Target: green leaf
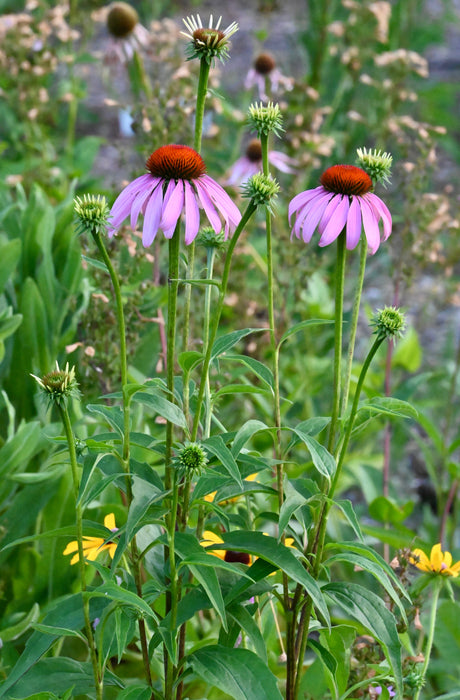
x=398, y=537
x=59, y=631
x=329, y=664
x=240, y=389
x=300, y=326
x=208, y=579
x=388, y=406
x=9, y=323
x=9, y=634
x=110, y=591
x=281, y=557
x=18, y=451
x=408, y=351
x=347, y=509
x=238, y=672
x=225, y=342
x=10, y=254
x=216, y=446
x=370, y=611
x=112, y=414
x=322, y=459
x=386, y=511
x=136, y=692
x=259, y=369
x=163, y=407
x=240, y=614
x=291, y=504
x=247, y=430
x=189, y=360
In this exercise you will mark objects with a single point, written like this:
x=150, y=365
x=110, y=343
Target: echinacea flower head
x=264, y=71
x=342, y=202
x=251, y=163
x=439, y=562
x=176, y=182
x=208, y=42
x=127, y=33
x=93, y=546
x=59, y=385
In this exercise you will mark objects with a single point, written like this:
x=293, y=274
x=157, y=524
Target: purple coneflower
x=176, y=181
x=343, y=201
x=264, y=70
x=251, y=163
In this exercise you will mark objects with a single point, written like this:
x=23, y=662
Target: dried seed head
x=121, y=19
x=264, y=64
x=59, y=385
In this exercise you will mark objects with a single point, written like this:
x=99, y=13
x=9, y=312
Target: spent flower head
x=262, y=189
x=59, y=385
x=191, y=459
x=121, y=19
x=389, y=322
x=375, y=163
x=265, y=118
x=208, y=42
x=92, y=214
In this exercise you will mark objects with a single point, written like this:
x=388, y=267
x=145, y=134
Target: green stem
x=200, y=102
x=354, y=322
x=174, y=588
x=339, y=290
x=217, y=314
x=81, y=557
x=173, y=284
x=429, y=644
x=211, y=254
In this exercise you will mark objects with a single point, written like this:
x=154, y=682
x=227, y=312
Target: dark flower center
x=122, y=19
x=254, y=151
x=238, y=557
x=176, y=163
x=210, y=37
x=264, y=63
x=346, y=179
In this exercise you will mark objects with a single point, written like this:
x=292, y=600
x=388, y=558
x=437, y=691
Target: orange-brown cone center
x=254, y=151
x=346, y=179
x=176, y=162
x=264, y=63
x=208, y=36
x=122, y=19
x=237, y=557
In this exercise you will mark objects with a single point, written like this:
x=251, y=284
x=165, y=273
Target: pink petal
x=126, y=196
x=300, y=199
x=192, y=214
x=370, y=225
x=220, y=198
x=336, y=222
x=282, y=161
x=152, y=216
x=137, y=205
x=329, y=211
x=172, y=209
x=353, y=224
x=208, y=206
x=314, y=218
x=383, y=210
x=308, y=208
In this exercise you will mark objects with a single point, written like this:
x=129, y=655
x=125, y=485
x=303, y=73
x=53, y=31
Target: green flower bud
x=389, y=323
x=92, y=214
x=208, y=238
x=262, y=189
x=265, y=118
x=376, y=164
x=59, y=385
x=191, y=459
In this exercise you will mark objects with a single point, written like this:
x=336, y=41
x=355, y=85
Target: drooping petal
x=172, y=209
x=192, y=214
x=71, y=547
x=137, y=206
x=122, y=205
x=208, y=206
x=370, y=225
x=281, y=161
x=383, y=211
x=152, y=216
x=109, y=522
x=225, y=205
x=336, y=222
x=353, y=224
x=455, y=569
x=420, y=560
x=302, y=198
x=305, y=210
x=314, y=217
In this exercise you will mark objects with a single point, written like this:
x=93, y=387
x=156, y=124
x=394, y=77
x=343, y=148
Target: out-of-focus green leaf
x=8, y=634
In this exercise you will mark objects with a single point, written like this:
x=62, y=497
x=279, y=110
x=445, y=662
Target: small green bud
x=265, y=118
x=209, y=42
x=59, y=385
x=208, y=238
x=376, y=164
x=389, y=323
x=92, y=214
x=191, y=458
x=262, y=189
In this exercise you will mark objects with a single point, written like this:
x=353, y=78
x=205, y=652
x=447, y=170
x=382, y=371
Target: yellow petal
x=455, y=568
x=210, y=538
x=447, y=559
x=436, y=557
x=420, y=560
x=251, y=477
x=210, y=497
x=74, y=559
x=92, y=553
x=71, y=547
x=109, y=521
x=112, y=547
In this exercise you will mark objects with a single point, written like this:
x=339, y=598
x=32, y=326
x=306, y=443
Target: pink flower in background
x=343, y=202
x=264, y=71
x=176, y=183
x=126, y=32
x=251, y=163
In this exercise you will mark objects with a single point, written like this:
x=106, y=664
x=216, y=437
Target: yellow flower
x=438, y=563
x=211, y=496
x=93, y=546
x=210, y=538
